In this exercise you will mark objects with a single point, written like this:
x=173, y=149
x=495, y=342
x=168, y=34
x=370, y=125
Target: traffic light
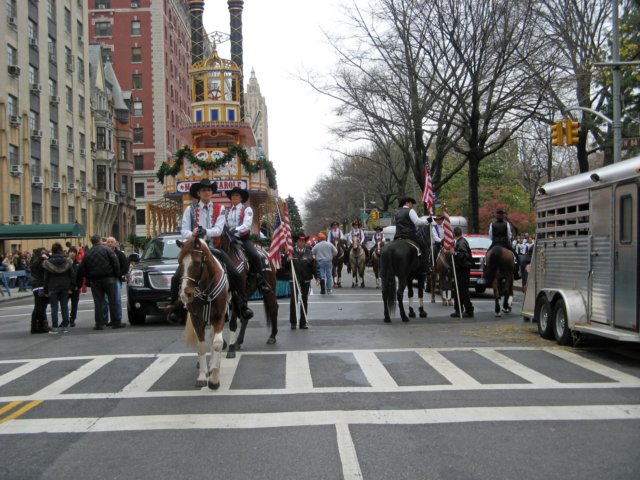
x=573, y=131
x=557, y=139
x=374, y=214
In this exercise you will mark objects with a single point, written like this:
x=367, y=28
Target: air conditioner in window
x=52, y=57
x=12, y=21
x=54, y=99
x=37, y=180
x=70, y=147
x=15, y=120
x=36, y=133
x=14, y=70
x=135, y=5
x=56, y=186
x=33, y=41
x=17, y=218
x=84, y=190
x=101, y=6
x=71, y=187
x=80, y=39
x=15, y=169
x=54, y=142
x=83, y=152
x=35, y=88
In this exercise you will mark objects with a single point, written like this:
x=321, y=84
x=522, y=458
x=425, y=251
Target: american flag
x=428, y=196
x=281, y=237
x=448, y=241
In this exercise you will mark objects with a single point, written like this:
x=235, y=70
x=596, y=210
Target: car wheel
x=561, y=330
x=135, y=317
x=543, y=314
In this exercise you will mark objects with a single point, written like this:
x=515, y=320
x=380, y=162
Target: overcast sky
x=283, y=38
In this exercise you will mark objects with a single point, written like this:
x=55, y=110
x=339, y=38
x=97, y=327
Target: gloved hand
x=233, y=230
x=429, y=219
x=41, y=292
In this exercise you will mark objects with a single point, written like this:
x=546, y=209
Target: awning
x=29, y=232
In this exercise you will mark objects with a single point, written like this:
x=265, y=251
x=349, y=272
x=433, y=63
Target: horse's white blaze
x=186, y=264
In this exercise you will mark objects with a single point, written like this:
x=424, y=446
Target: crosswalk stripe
x=319, y=418
x=447, y=369
x=298, y=376
x=517, y=368
x=348, y=455
x=22, y=370
x=68, y=381
x=373, y=369
x=595, y=367
x=150, y=375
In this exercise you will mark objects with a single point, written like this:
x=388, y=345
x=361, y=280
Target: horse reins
x=216, y=289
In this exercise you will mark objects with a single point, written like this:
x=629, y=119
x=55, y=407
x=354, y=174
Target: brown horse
x=204, y=290
x=232, y=247
x=443, y=274
x=357, y=259
x=500, y=268
x=339, y=261
x=376, y=251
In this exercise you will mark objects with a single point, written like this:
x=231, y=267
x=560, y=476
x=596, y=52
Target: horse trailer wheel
x=561, y=330
x=135, y=318
x=543, y=314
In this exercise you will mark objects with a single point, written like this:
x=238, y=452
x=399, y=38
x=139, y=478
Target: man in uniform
x=204, y=219
x=335, y=232
x=306, y=268
x=463, y=260
x=406, y=222
x=500, y=233
x=239, y=219
x=356, y=231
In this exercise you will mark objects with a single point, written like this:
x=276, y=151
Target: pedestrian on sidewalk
x=59, y=276
x=39, y=323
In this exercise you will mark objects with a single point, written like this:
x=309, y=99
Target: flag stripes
x=281, y=237
x=448, y=241
x=428, y=196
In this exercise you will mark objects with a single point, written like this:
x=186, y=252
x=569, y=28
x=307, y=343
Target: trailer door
x=625, y=266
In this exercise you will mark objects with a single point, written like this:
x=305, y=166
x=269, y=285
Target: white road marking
x=518, y=369
x=448, y=370
x=373, y=369
x=69, y=380
x=18, y=372
x=247, y=420
x=150, y=375
x=348, y=456
x=595, y=367
x=298, y=376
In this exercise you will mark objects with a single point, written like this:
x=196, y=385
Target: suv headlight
x=136, y=278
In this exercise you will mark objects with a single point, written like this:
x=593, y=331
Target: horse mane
x=194, y=244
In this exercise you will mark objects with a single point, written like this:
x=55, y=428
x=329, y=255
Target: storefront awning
x=29, y=232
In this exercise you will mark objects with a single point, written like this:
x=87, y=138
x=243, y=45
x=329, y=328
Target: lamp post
x=364, y=197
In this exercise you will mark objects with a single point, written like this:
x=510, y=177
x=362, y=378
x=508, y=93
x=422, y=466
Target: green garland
x=186, y=152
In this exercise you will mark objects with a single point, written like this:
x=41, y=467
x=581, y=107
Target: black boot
x=262, y=284
x=323, y=289
x=241, y=305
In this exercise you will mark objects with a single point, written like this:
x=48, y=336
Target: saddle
x=413, y=244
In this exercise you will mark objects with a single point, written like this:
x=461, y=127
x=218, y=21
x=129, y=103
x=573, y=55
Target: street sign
x=364, y=217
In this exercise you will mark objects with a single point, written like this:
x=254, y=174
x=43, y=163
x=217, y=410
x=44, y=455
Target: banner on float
x=223, y=185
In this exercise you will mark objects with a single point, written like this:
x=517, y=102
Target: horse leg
x=402, y=284
x=496, y=297
x=362, y=277
x=412, y=313
x=216, y=354
x=433, y=287
x=421, y=310
x=271, y=312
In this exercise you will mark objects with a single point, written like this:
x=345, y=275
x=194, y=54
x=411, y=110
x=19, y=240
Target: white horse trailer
x=584, y=271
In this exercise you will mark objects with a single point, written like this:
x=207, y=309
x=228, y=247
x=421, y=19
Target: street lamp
x=364, y=197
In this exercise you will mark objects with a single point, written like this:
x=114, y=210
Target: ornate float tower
x=220, y=138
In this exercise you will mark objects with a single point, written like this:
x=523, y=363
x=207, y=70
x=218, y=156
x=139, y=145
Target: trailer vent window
x=562, y=222
x=626, y=219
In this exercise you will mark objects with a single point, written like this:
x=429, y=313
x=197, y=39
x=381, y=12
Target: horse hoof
x=201, y=383
x=405, y=319
x=271, y=340
x=412, y=314
x=433, y=301
x=362, y=286
x=498, y=314
x=213, y=386
x=231, y=354
x=423, y=314
x=387, y=320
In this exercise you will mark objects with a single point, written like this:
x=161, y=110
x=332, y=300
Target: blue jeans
x=326, y=273
x=59, y=297
x=118, y=287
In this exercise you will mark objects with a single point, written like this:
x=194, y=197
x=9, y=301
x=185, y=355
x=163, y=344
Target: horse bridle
x=208, y=298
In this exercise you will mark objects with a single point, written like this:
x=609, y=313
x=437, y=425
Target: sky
x=282, y=39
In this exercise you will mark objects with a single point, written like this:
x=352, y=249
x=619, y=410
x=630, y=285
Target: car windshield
x=479, y=243
x=161, y=248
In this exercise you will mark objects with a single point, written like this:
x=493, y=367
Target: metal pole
x=617, y=75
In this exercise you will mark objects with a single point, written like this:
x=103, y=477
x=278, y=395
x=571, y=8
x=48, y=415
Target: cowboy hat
x=405, y=200
x=194, y=190
x=334, y=223
x=500, y=212
x=241, y=191
x=378, y=229
x=300, y=236
x=439, y=217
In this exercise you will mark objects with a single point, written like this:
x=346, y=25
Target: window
x=80, y=29
x=67, y=20
x=32, y=30
x=12, y=55
x=12, y=103
x=53, y=130
x=124, y=184
x=71, y=214
x=34, y=120
x=232, y=115
x=101, y=138
x=14, y=155
x=138, y=135
x=33, y=74
x=83, y=141
x=81, y=106
x=70, y=135
x=215, y=115
x=123, y=150
x=15, y=204
x=53, y=87
x=51, y=47
x=68, y=98
x=68, y=58
x=36, y=166
x=136, y=81
x=103, y=29
x=101, y=177
x=626, y=219
x=81, y=70
x=136, y=54
x=140, y=217
x=135, y=27
x=198, y=115
x=103, y=3
x=139, y=186
x=83, y=214
x=70, y=175
x=51, y=10
x=12, y=9
x=138, y=162
x=137, y=109
x=36, y=213
x=55, y=214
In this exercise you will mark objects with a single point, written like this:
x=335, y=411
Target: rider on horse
x=501, y=233
x=205, y=219
x=335, y=233
x=238, y=219
x=406, y=222
x=356, y=231
x=378, y=236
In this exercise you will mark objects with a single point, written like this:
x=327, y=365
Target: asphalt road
x=351, y=397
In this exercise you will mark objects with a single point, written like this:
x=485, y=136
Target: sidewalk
x=15, y=295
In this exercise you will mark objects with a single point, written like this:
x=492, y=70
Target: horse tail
x=493, y=262
x=388, y=279
x=189, y=332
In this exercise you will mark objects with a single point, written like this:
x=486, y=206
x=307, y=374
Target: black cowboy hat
x=334, y=223
x=300, y=236
x=439, y=217
x=500, y=212
x=194, y=190
x=378, y=229
x=243, y=193
x=405, y=200
x=356, y=223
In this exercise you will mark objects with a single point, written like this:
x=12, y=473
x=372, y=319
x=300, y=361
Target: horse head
x=198, y=268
